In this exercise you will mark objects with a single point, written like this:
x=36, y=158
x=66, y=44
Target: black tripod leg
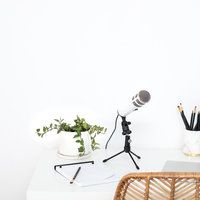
x=105, y=160
x=137, y=167
x=135, y=155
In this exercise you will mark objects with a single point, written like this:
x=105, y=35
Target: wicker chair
x=159, y=186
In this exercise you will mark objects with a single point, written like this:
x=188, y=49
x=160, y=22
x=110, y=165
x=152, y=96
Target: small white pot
x=191, y=143
x=68, y=147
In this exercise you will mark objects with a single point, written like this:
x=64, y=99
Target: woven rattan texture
x=159, y=186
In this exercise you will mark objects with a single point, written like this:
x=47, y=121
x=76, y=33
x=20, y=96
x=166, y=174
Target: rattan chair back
x=159, y=186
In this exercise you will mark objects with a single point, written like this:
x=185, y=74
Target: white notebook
x=90, y=174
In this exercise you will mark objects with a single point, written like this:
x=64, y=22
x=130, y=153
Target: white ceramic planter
x=68, y=147
x=191, y=143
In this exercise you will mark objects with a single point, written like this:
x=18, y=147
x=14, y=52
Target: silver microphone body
x=138, y=101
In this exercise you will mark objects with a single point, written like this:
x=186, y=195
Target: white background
x=95, y=55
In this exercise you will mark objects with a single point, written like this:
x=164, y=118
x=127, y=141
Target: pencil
x=75, y=175
x=193, y=118
x=197, y=126
x=180, y=108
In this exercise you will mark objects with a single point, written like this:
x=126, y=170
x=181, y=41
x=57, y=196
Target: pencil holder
x=191, y=143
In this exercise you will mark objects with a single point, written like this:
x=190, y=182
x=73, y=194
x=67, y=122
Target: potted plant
x=75, y=140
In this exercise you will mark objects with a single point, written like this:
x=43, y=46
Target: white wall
x=93, y=55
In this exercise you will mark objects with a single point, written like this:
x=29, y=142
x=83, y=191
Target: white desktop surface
x=46, y=184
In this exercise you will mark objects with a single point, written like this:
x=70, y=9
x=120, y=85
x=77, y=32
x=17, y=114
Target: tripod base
x=130, y=154
x=127, y=146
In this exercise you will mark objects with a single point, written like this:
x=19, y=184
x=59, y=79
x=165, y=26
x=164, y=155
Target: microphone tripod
x=127, y=146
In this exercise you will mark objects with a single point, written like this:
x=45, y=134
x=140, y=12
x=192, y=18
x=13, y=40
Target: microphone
x=138, y=101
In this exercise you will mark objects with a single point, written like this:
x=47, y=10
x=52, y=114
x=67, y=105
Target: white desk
x=48, y=185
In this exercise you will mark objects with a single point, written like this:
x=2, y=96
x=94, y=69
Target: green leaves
x=77, y=135
x=59, y=120
x=94, y=131
x=81, y=149
x=80, y=125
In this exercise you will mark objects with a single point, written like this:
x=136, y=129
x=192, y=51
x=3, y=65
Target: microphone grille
x=144, y=96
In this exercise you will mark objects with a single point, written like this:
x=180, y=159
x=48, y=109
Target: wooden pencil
x=180, y=108
x=197, y=126
x=193, y=118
